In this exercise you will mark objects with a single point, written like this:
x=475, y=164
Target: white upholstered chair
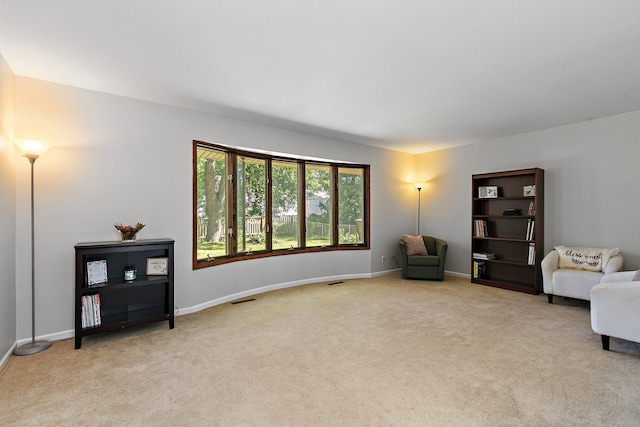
x=615, y=308
x=573, y=282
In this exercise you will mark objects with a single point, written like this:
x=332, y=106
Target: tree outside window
x=248, y=205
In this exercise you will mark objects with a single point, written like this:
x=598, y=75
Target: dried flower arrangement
x=128, y=232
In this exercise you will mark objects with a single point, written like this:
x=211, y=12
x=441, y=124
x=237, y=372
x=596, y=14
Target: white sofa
x=573, y=282
x=614, y=308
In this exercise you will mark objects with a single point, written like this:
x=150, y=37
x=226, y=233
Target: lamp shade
x=32, y=147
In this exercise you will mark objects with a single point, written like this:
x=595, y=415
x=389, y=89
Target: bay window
x=252, y=204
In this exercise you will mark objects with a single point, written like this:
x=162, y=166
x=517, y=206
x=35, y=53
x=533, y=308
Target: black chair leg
x=605, y=342
x=550, y=297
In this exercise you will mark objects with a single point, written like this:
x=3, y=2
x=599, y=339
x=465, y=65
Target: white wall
x=120, y=160
x=7, y=213
x=591, y=185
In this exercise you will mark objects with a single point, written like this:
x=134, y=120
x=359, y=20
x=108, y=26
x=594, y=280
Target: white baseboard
x=453, y=273
x=5, y=358
x=257, y=291
x=63, y=335
x=56, y=336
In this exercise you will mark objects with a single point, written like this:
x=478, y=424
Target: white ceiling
x=410, y=75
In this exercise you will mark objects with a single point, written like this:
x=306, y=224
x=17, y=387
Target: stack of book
x=484, y=255
x=91, y=311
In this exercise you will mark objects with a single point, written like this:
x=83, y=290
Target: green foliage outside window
x=251, y=193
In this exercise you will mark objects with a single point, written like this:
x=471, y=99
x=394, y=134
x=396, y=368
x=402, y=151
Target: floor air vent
x=244, y=300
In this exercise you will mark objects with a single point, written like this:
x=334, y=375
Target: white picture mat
x=97, y=272
x=157, y=266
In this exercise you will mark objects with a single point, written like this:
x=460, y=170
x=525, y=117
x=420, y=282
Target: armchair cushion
x=573, y=283
x=425, y=260
x=415, y=245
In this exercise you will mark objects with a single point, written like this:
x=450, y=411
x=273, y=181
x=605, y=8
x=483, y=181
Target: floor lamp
x=32, y=149
x=419, y=187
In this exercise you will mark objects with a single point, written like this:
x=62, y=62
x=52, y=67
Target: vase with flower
x=128, y=232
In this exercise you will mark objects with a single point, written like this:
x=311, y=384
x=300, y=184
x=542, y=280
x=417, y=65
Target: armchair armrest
x=614, y=264
x=618, y=276
x=403, y=257
x=441, y=249
x=549, y=264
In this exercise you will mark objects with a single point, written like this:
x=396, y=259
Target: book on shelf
x=480, y=228
x=479, y=269
x=91, y=316
x=532, y=254
x=530, y=228
x=484, y=255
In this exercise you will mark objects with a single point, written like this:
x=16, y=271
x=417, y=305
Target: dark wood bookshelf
x=124, y=304
x=506, y=235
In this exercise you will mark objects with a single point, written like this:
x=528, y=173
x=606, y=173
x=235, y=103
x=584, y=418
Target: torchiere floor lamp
x=32, y=150
x=419, y=187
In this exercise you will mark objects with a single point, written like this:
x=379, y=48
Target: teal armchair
x=429, y=267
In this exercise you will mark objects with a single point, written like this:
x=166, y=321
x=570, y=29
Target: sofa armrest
x=549, y=264
x=614, y=310
x=614, y=264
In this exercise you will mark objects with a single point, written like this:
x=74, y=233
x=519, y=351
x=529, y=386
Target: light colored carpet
x=371, y=352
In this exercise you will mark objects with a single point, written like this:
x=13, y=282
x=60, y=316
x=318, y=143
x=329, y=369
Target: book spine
x=84, y=312
x=532, y=254
x=97, y=307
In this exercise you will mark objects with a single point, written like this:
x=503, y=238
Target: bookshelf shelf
x=118, y=304
x=515, y=239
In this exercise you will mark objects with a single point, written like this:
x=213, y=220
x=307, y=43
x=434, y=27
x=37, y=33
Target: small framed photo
x=157, y=266
x=529, y=191
x=97, y=272
x=488, y=192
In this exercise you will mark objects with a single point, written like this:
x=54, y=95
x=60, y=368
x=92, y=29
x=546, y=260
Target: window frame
x=231, y=155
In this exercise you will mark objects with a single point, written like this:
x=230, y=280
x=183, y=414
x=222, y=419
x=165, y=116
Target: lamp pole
x=34, y=346
x=419, y=188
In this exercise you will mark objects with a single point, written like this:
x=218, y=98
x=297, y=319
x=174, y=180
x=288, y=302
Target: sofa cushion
x=574, y=283
x=415, y=245
x=636, y=277
x=423, y=260
x=589, y=259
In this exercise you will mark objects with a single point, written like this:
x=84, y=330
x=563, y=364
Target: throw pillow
x=415, y=245
x=636, y=277
x=590, y=259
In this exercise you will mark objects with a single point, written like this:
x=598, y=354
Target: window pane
x=318, y=205
x=284, y=202
x=211, y=221
x=251, y=179
x=350, y=205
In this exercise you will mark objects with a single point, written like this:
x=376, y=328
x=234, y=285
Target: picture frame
x=529, y=190
x=97, y=272
x=157, y=266
x=488, y=192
